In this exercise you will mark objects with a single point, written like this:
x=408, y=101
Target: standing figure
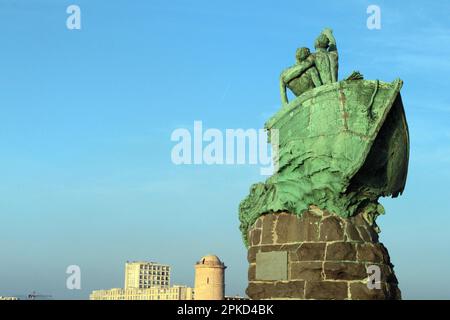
x=326, y=56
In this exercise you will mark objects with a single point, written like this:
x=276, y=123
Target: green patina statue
x=312, y=70
x=342, y=144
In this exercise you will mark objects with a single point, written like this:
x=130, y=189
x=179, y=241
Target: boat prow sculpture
x=341, y=146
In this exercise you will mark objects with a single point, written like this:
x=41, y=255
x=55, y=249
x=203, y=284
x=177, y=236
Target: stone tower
x=209, y=279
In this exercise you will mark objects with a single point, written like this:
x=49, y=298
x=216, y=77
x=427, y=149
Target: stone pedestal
x=318, y=256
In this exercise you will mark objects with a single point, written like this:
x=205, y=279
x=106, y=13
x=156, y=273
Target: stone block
x=251, y=254
x=352, y=233
x=331, y=229
x=371, y=253
x=258, y=223
x=255, y=237
x=345, y=271
x=270, y=248
x=292, y=229
x=310, y=270
x=276, y=290
x=309, y=251
x=252, y=272
x=267, y=229
x=365, y=236
x=310, y=226
x=340, y=251
x=326, y=290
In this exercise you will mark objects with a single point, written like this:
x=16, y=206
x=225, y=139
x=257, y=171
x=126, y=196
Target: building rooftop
x=211, y=259
x=146, y=262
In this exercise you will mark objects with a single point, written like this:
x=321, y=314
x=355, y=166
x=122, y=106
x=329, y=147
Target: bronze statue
x=311, y=70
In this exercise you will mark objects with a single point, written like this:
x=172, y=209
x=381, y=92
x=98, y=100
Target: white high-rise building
x=145, y=275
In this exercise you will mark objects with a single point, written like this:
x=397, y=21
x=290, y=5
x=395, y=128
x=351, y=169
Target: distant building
x=209, y=279
x=156, y=293
x=145, y=281
x=151, y=281
x=145, y=275
x=8, y=298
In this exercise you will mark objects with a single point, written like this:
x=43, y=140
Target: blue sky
x=86, y=117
